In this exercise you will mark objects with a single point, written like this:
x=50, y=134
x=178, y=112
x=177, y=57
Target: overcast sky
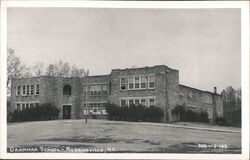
x=203, y=44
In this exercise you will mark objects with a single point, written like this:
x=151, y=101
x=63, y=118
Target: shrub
x=190, y=115
x=134, y=113
x=221, y=121
x=46, y=111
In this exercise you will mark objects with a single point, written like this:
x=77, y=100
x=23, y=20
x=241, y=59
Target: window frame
x=24, y=90
x=125, y=84
x=32, y=89
x=37, y=89
x=151, y=82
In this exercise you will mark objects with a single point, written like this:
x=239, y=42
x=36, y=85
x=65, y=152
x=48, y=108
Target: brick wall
x=167, y=92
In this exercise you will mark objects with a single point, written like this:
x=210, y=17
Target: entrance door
x=67, y=112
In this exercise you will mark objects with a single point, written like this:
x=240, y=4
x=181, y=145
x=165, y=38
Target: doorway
x=66, y=111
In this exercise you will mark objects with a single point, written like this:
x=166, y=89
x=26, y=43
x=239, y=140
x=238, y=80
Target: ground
x=117, y=136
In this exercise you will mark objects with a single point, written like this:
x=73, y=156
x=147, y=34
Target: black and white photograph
x=131, y=80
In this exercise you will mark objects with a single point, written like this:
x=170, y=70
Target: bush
x=46, y=111
x=190, y=115
x=134, y=113
x=221, y=121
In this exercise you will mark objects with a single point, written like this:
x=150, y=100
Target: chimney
x=215, y=90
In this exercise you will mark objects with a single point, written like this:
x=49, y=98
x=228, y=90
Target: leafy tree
x=232, y=105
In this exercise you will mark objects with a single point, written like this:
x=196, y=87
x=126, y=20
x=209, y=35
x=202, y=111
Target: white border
x=244, y=5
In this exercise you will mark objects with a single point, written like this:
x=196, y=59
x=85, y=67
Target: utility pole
x=86, y=99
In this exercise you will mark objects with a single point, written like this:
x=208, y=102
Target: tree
x=51, y=70
x=77, y=72
x=59, y=69
x=15, y=68
x=38, y=69
x=232, y=105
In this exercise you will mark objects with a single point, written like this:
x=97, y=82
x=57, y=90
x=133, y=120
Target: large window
x=25, y=105
x=138, y=82
x=96, y=90
x=67, y=90
x=27, y=90
x=96, y=108
x=144, y=101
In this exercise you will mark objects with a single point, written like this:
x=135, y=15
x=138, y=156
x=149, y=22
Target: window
x=151, y=81
x=123, y=103
x=210, y=113
x=24, y=90
x=104, y=90
x=18, y=106
x=130, y=102
x=143, y=82
x=208, y=99
x=37, y=89
x=37, y=104
x=31, y=105
x=123, y=83
x=143, y=102
x=95, y=90
x=85, y=90
x=18, y=90
x=32, y=90
x=67, y=90
x=94, y=109
x=151, y=102
x=28, y=90
x=137, y=82
x=131, y=83
x=137, y=102
x=23, y=106
x=27, y=106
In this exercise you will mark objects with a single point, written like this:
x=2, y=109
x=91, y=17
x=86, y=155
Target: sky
x=203, y=44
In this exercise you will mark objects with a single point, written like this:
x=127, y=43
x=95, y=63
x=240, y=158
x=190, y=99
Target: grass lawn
x=115, y=136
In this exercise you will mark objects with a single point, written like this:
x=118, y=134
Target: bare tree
x=15, y=68
x=62, y=69
x=38, y=69
x=50, y=70
x=58, y=69
x=77, y=72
